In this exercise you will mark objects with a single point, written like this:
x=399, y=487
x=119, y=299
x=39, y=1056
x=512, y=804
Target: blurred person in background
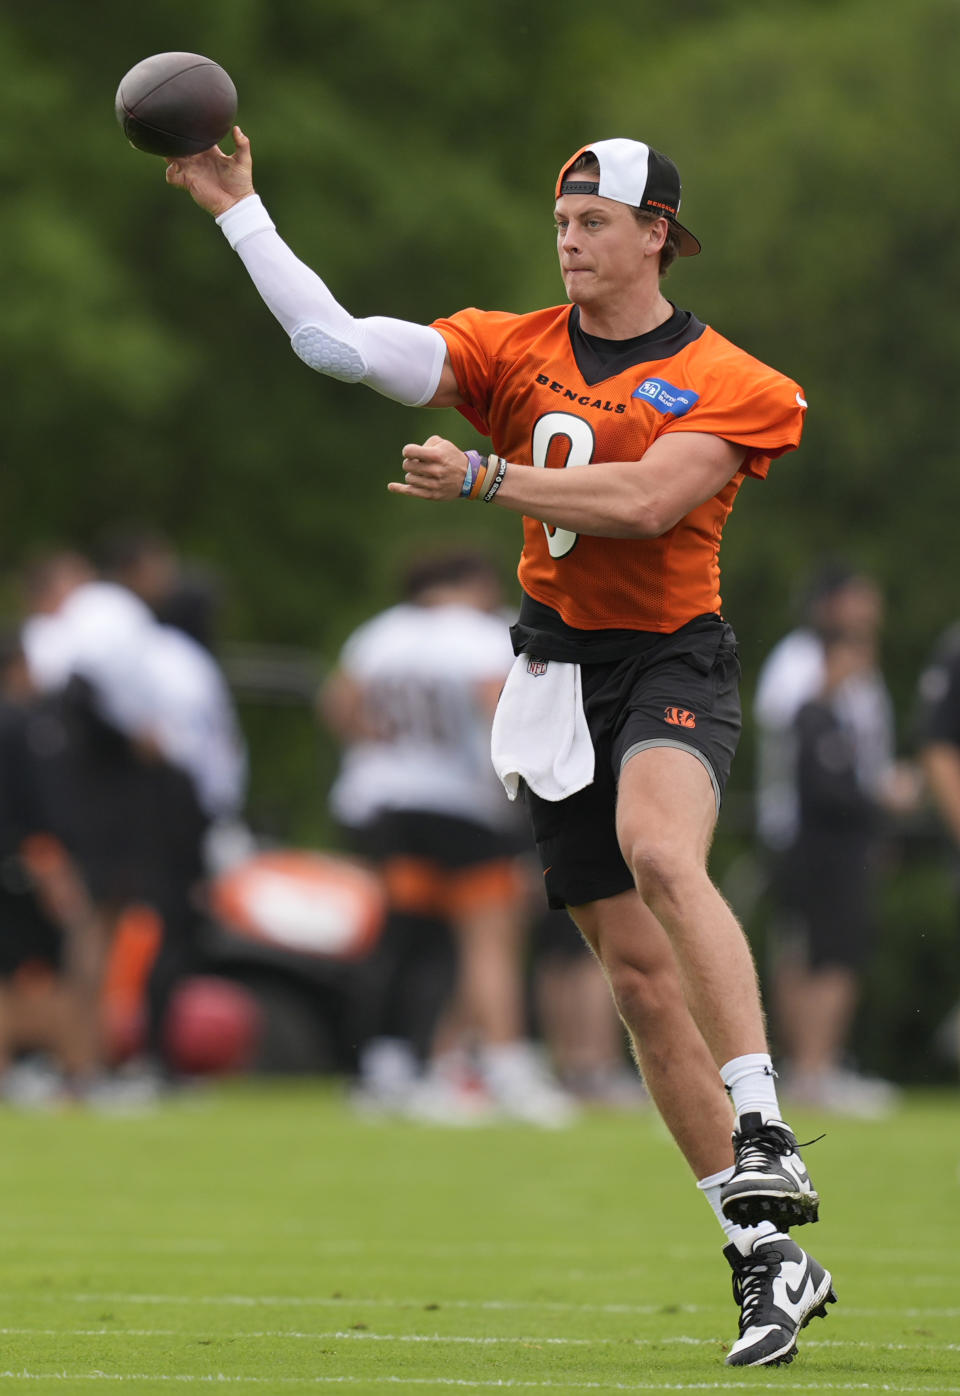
x=412, y=701
x=149, y=680
x=49, y=1014
x=147, y=563
x=81, y=647
x=838, y=599
x=194, y=714
x=828, y=778
x=937, y=739
x=144, y=756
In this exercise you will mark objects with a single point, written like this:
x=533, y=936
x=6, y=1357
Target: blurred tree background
x=407, y=149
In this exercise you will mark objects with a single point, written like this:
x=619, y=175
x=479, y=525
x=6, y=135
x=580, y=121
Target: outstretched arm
x=401, y=360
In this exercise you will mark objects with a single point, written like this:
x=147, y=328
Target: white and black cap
x=633, y=173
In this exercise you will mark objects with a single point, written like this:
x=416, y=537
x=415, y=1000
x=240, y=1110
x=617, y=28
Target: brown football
x=176, y=104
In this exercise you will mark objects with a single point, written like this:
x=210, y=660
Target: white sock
x=750, y=1081
x=743, y=1237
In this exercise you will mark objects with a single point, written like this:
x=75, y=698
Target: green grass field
x=260, y=1237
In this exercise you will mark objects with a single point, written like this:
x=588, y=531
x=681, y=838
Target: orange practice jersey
x=522, y=387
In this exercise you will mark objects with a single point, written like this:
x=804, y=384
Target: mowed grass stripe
x=594, y=1237
x=296, y=1301
x=527, y=1339
x=391, y=1380
x=502, y=1249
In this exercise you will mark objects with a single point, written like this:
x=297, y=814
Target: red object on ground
x=212, y=1027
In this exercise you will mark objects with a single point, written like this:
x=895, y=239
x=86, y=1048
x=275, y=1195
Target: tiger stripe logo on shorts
x=680, y=717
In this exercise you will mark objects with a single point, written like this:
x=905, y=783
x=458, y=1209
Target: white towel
x=540, y=731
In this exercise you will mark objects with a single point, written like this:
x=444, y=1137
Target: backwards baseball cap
x=633, y=173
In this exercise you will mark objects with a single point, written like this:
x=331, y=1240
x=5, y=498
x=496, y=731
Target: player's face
x=603, y=248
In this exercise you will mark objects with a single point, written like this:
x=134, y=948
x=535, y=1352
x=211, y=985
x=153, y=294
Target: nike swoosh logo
x=795, y=1295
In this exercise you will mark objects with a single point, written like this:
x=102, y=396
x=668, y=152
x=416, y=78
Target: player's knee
x=642, y=995
x=662, y=871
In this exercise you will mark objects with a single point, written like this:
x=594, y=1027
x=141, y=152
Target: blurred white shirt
x=420, y=668
x=150, y=681
x=100, y=634
x=192, y=718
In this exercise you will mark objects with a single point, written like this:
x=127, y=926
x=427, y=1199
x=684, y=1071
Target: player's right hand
x=212, y=179
x=434, y=470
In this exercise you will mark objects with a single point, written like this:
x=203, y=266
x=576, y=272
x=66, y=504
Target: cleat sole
x=821, y=1310
x=751, y=1208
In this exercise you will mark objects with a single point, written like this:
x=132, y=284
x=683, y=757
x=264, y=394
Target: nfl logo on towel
x=537, y=667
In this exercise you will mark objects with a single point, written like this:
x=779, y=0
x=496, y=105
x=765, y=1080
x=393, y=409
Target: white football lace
x=759, y=1153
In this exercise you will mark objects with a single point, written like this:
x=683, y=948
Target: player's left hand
x=435, y=470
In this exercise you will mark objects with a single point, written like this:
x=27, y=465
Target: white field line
x=353, y=1301
x=526, y=1340
x=220, y=1378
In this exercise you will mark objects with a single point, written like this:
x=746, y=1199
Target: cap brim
x=689, y=245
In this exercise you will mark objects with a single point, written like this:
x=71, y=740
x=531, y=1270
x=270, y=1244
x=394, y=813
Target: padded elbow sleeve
x=401, y=360
x=324, y=352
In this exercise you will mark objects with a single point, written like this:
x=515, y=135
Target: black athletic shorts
x=682, y=691
x=444, y=839
x=441, y=866
x=27, y=934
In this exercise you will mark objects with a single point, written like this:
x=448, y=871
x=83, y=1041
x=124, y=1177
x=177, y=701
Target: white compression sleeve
x=401, y=360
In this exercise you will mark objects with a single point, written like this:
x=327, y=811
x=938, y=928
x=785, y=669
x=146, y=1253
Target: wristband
x=501, y=465
x=243, y=219
x=475, y=478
